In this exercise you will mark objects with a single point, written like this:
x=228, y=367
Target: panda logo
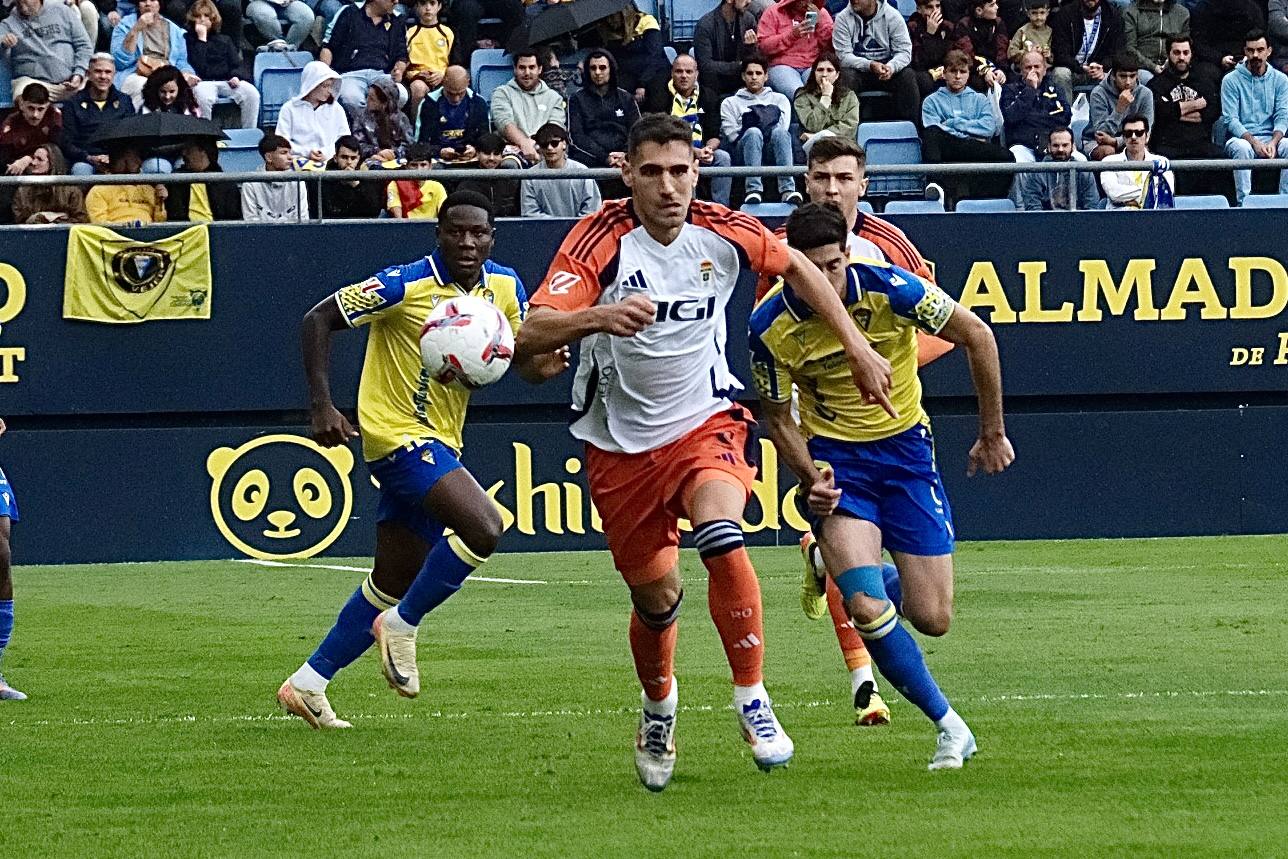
x=280, y=496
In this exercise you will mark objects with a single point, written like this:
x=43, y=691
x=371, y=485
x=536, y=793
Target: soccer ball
x=468, y=341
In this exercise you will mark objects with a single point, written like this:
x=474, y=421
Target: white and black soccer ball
x=466, y=340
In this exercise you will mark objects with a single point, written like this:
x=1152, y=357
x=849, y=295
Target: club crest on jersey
x=708, y=270
x=863, y=316
x=562, y=281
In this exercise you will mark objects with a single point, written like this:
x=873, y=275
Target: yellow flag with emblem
x=110, y=278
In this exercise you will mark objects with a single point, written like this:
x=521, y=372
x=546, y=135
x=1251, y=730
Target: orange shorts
x=641, y=496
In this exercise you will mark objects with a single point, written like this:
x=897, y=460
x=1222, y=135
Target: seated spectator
x=44, y=41
x=382, y=130
x=687, y=103
x=126, y=204
x=144, y=42
x=410, y=198
x=429, y=44
x=230, y=14
x=601, y=114
x=217, y=61
x=871, y=38
x=313, y=120
x=981, y=34
x=1033, y=107
x=1085, y=37
x=200, y=202
x=722, y=39
x=524, y=104
x=504, y=193
x=959, y=127
x=453, y=118
x=557, y=198
x=166, y=91
x=1147, y=25
x=1033, y=36
x=96, y=105
x=284, y=24
x=1118, y=96
x=1044, y=192
x=283, y=202
x=1254, y=104
x=1187, y=104
x=464, y=16
x=792, y=34
x=559, y=78
x=932, y=38
x=750, y=119
x=353, y=198
x=1218, y=27
x=1129, y=189
x=48, y=204
x=33, y=124
x=364, y=43
x=635, y=41
x=825, y=106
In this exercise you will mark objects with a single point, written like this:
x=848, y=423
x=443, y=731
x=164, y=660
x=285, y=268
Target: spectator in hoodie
x=793, y=34
x=200, y=202
x=313, y=120
x=217, y=61
x=383, y=131
x=825, y=106
x=95, y=106
x=415, y=199
x=557, y=198
x=144, y=42
x=871, y=38
x=1187, y=104
x=686, y=103
x=503, y=193
x=756, y=117
x=354, y=198
x=932, y=38
x=635, y=41
x=1130, y=189
x=1219, y=27
x=982, y=34
x=524, y=104
x=282, y=202
x=1116, y=97
x=34, y=123
x=1085, y=37
x=1254, y=104
x=959, y=128
x=364, y=43
x=1147, y=25
x=1033, y=107
x=453, y=118
x=601, y=114
x=44, y=41
x=722, y=39
x=1044, y=192
x=429, y=45
x=1035, y=35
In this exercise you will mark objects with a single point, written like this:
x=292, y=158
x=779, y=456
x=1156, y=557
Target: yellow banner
x=110, y=278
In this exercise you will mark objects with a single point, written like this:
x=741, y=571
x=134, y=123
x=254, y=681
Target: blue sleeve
x=179, y=50
x=361, y=303
x=932, y=113
x=919, y=301
x=1280, y=118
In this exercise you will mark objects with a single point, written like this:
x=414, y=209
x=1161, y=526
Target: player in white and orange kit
x=644, y=283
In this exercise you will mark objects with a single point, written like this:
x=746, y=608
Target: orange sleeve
x=764, y=282
x=573, y=281
x=766, y=254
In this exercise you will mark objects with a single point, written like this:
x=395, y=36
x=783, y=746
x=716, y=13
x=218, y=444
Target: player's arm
x=2, y=426
x=818, y=484
x=547, y=328
x=329, y=427
x=992, y=451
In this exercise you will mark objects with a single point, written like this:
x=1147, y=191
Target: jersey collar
x=438, y=268
x=803, y=311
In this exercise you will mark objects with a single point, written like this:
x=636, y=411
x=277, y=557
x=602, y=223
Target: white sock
x=746, y=694
x=394, y=623
x=951, y=721
x=665, y=707
x=306, y=679
x=859, y=676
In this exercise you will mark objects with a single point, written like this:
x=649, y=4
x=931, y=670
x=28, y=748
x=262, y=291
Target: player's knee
x=658, y=608
x=864, y=609
x=483, y=535
x=933, y=621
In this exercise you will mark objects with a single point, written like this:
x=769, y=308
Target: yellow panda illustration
x=280, y=496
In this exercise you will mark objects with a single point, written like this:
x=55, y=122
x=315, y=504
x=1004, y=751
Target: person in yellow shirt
x=126, y=204
x=429, y=42
x=407, y=198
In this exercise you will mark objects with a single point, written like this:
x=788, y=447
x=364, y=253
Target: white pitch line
x=256, y=718
x=342, y=568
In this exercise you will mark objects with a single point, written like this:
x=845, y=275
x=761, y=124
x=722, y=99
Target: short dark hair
x=1126, y=63
x=1060, y=129
x=550, y=131
x=348, y=141
x=816, y=225
x=418, y=152
x=1136, y=117
x=1037, y=4
x=1255, y=35
x=35, y=93
x=272, y=142
x=465, y=198
x=832, y=148
x=1177, y=39
x=526, y=52
x=753, y=60
x=659, y=128
x=491, y=143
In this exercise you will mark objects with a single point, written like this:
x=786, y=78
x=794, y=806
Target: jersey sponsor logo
x=686, y=309
x=561, y=282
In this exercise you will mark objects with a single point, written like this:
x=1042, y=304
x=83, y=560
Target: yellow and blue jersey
x=791, y=344
x=8, y=503
x=398, y=403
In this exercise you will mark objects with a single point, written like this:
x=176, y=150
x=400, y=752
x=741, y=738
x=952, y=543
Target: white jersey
x=634, y=394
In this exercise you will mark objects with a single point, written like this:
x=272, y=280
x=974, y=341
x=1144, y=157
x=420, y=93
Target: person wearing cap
x=557, y=198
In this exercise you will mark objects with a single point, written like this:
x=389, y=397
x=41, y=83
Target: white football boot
x=770, y=745
x=655, y=740
x=312, y=707
x=397, y=655
x=955, y=745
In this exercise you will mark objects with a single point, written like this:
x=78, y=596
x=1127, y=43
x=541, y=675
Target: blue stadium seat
x=906, y=7
x=670, y=54
x=682, y=16
x=865, y=206
x=648, y=7
x=1202, y=201
x=489, y=69
x=914, y=207
x=243, y=138
x=277, y=77
x=240, y=152
x=1266, y=201
x=6, y=85
x=892, y=143
x=768, y=210
x=982, y=206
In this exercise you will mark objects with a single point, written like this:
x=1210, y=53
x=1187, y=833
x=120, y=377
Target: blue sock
x=351, y=635
x=893, y=589
x=448, y=565
x=6, y=624
x=900, y=660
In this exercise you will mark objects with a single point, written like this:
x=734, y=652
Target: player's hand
x=550, y=364
x=2, y=426
x=330, y=428
x=823, y=494
x=872, y=376
x=629, y=317
x=990, y=454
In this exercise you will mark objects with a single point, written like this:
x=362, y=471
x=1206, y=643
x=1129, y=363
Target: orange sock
x=654, y=652
x=856, y=655
x=733, y=595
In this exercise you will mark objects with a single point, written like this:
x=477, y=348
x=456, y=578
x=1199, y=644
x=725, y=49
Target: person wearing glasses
x=557, y=198
x=1130, y=189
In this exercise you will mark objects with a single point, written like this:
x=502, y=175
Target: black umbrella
x=157, y=129
x=555, y=21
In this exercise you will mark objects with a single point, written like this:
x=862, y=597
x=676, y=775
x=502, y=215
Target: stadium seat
x=489, y=69
x=906, y=7
x=682, y=16
x=914, y=207
x=1202, y=201
x=892, y=143
x=240, y=152
x=768, y=210
x=1266, y=201
x=277, y=77
x=983, y=206
x=865, y=206
x=6, y=86
x=648, y=7
x=670, y=54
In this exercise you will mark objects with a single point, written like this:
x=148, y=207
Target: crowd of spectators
x=982, y=81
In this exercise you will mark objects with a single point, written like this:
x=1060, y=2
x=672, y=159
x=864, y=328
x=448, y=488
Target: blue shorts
x=894, y=484
x=8, y=503
x=405, y=477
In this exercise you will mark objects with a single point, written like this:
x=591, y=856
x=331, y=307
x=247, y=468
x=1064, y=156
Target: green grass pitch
x=1130, y=698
